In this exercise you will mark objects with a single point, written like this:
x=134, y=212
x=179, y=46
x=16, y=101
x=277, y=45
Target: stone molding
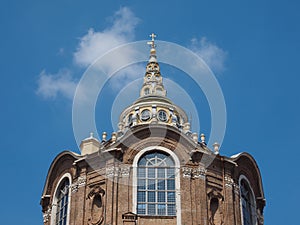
x=194, y=173
x=81, y=181
x=111, y=171
x=122, y=171
x=229, y=183
x=199, y=172
x=186, y=172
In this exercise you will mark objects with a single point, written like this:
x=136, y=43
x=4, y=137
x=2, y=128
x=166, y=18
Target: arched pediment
x=248, y=167
x=61, y=164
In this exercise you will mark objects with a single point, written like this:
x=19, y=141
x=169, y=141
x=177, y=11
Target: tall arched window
x=61, y=202
x=247, y=203
x=156, y=185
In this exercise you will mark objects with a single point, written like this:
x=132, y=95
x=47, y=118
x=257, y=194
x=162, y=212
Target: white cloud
x=210, y=53
x=127, y=75
x=91, y=46
x=52, y=85
x=94, y=44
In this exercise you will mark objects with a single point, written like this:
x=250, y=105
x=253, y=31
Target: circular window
x=162, y=115
x=145, y=115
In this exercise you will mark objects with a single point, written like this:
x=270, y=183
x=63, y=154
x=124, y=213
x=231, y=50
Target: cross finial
x=151, y=43
x=153, y=36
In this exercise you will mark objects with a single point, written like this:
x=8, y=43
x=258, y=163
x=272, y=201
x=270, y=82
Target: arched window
x=247, y=203
x=156, y=185
x=129, y=120
x=61, y=202
x=146, y=91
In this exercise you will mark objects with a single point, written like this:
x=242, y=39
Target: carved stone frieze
x=194, y=173
x=228, y=182
x=187, y=172
x=124, y=171
x=199, y=172
x=112, y=171
x=81, y=181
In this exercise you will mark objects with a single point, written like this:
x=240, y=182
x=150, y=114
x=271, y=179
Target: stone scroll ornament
x=96, y=205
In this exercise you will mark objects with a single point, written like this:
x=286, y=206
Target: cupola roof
x=153, y=106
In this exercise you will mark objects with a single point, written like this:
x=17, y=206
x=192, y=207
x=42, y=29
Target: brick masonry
x=102, y=193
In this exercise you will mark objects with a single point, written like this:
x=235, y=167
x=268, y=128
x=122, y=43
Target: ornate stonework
x=97, y=206
x=111, y=171
x=186, y=172
x=199, y=172
x=194, y=173
x=47, y=215
x=81, y=181
x=124, y=171
x=229, y=182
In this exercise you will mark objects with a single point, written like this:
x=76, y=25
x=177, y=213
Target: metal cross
x=152, y=36
x=152, y=40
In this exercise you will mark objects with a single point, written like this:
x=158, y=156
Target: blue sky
x=251, y=46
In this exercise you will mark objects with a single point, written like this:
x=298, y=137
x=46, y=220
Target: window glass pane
x=171, y=210
x=150, y=156
x=142, y=162
x=141, y=197
x=171, y=196
x=65, y=211
x=161, y=209
x=151, y=172
x=161, y=156
x=151, y=209
x=151, y=184
x=66, y=197
x=141, y=184
x=141, y=172
x=151, y=196
x=169, y=161
x=171, y=184
x=170, y=173
x=161, y=196
x=161, y=172
x=161, y=184
x=141, y=208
